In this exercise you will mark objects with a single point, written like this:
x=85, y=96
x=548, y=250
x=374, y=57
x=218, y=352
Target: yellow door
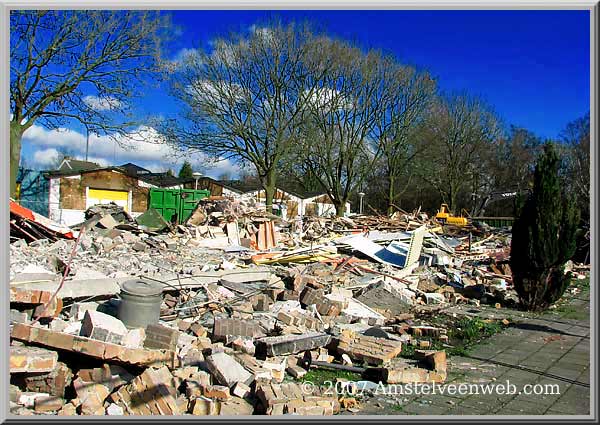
x=102, y=196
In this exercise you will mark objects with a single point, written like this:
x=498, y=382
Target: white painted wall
x=71, y=217
x=54, y=200
x=231, y=193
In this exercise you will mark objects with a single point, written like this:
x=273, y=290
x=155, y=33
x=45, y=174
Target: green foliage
x=543, y=237
x=320, y=376
x=186, y=171
x=470, y=331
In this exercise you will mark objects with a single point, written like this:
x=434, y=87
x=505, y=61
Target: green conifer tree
x=186, y=171
x=543, y=237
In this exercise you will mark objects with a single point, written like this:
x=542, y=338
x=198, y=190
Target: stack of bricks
x=367, y=348
x=160, y=337
x=230, y=327
x=325, y=307
x=289, y=398
x=93, y=348
x=53, y=383
x=295, y=318
x=429, y=331
x=204, y=406
x=39, y=298
x=402, y=371
x=151, y=393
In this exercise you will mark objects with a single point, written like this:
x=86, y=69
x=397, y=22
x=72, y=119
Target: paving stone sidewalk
x=548, y=351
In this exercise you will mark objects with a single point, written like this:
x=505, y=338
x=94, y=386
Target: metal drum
x=140, y=303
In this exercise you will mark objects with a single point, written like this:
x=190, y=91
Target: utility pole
x=87, y=142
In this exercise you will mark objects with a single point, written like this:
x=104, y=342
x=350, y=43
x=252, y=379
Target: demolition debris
x=226, y=313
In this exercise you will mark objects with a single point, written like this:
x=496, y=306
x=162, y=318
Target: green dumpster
x=176, y=204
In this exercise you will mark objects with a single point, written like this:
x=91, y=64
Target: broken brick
x=367, y=348
x=32, y=359
x=203, y=406
x=53, y=382
x=151, y=393
x=161, y=337
x=48, y=404
x=219, y=392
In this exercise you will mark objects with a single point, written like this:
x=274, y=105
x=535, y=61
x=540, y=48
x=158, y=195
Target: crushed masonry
x=250, y=306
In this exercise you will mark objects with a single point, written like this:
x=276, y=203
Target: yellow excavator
x=444, y=216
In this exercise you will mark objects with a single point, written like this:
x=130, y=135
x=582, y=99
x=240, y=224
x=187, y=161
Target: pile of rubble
x=234, y=308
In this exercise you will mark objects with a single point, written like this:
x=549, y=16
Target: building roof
x=246, y=187
x=69, y=164
x=160, y=179
x=134, y=170
x=240, y=185
x=129, y=169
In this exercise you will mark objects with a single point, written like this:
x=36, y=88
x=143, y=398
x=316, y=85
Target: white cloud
x=214, y=169
x=329, y=99
x=216, y=92
x=185, y=54
x=144, y=146
x=46, y=157
x=266, y=33
x=102, y=103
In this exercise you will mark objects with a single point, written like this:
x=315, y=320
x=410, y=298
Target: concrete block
x=134, y=338
x=103, y=327
x=114, y=410
x=240, y=390
x=290, y=344
x=277, y=368
x=27, y=399
x=236, y=407
x=226, y=370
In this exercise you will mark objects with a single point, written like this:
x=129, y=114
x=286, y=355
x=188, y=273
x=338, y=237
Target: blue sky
x=531, y=66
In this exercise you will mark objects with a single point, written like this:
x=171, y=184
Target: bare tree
x=576, y=136
x=246, y=98
x=459, y=129
x=82, y=65
x=406, y=98
x=338, y=146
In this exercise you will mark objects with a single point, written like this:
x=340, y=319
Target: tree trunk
x=340, y=207
x=16, y=133
x=452, y=199
x=391, y=194
x=269, y=190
